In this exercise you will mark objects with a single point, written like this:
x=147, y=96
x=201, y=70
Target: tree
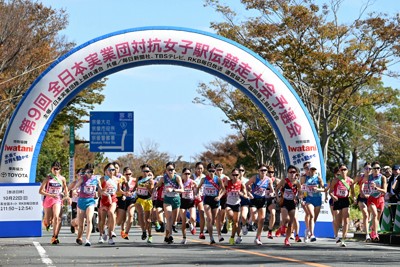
x=257, y=143
x=328, y=63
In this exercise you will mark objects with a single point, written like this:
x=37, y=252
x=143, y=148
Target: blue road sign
x=111, y=131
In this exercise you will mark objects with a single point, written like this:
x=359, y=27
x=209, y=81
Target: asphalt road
x=135, y=252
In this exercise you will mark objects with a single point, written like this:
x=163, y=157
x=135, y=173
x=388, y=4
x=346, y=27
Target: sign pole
x=71, y=152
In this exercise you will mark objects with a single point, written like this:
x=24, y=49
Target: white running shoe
x=113, y=234
x=245, y=230
x=313, y=238
x=88, y=244
x=183, y=242
x=238, y=240
x=111, y=241
x=105, y=237
x=101, y=240
x=257, y=241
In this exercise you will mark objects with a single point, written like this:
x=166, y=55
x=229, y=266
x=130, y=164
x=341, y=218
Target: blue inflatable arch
x=131, y=48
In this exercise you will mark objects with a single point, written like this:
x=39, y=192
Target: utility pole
x=72, y=143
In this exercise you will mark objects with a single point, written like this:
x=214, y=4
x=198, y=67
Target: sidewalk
x=388, y=238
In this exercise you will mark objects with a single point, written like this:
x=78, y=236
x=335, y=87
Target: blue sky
x=161, y=96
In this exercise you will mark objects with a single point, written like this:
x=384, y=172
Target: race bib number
x=142, y=191
x=89, y=189
x=260, y=192
x=342, y=192
x=288, y=194
x=110, y=190
x=233, y=197
x=188, y=194
x=55, y=190
x=210, y=191
x=366, y=190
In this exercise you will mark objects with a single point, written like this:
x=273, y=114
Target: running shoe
x=53, y=241
x=343, y=244
x=278, y=232
x=229, y=226
x=202, y=236
x=193, y=230
x=111, y=241
x=376, y=238
x=150, y=240
x=162, y=228
x=105, y=237
x=257, y=241
x=113, y=234
x=174, y=229
x=367, y=238
x=238, y=240
x=224, y=229
x=101, y=240
x=144, y=236
x=313, y=238
x=232, y=241
x=79, y=241
x=291, y=237
x=297, y=239
x=87, y=243
x=183, y=242
x=72, y=230
x=122, y=234
x=212, y=241
x=170, y=240
x=125, y=236
x=220, y=238
x=287, y=243
x=245, y=231
x=157, y=227
x=270, y=235
x=57, y=240
x=338, y=240
x=166, y=239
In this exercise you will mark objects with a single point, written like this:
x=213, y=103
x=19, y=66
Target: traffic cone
x=386, y=220
x=396, y=226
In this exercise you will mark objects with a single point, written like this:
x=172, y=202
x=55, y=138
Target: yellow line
x=262, y=254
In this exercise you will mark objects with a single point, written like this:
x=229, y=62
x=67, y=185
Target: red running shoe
x=278, y=232
x=287, y=243
x=270, y=234
x=202, y=236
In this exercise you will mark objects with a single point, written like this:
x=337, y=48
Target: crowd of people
x=222, y=202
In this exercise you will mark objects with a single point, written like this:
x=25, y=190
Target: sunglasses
x=111, y=170
x=271, y=172
x=128, y=174
x=235, y=175
x=211, y=170
x=57, y=169
x=367, y=168
x=219, y=169
x=89, y=172
x=82, y=173
x=241, y=170
x=170, y=170
x=263, y=170
x=187, y=173
x=343, y=170
x=377, y=168
x=292, y=172
x=146, y=171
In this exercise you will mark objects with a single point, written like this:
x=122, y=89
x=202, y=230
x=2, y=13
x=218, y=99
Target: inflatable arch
x=110, y=53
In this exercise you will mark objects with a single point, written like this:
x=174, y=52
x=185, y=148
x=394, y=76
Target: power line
x=26, y=72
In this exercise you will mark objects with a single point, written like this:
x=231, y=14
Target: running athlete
x=144, y=204
x=219, y=171
x=362, y=197
x=258, y=185
x=157, y=213
x=187, y=204
x=313, y=185
x=108, y=203
x=244, y=202
x=130, y=195
x=213, y=190
x=87, y=186
x=234, y=191
x=377, y=185
x=271, y=200
x=291, y=188
x=121, y=204
x=54, y=189
x=340, y=189
x=197, y=176
x=172, y=200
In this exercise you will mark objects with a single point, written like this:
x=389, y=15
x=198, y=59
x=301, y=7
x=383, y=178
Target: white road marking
x=43, y=255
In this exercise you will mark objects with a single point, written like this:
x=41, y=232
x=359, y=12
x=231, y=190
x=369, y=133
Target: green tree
x=328, y=63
